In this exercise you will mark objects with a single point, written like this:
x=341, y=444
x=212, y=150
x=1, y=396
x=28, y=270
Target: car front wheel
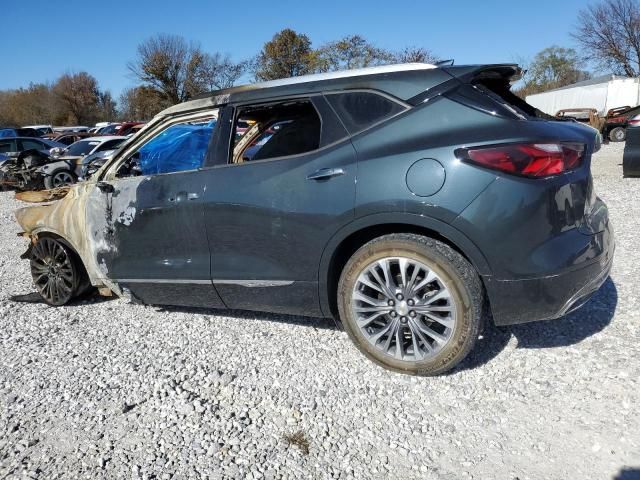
x=411, y=304
x=59, y=178
x=56, y=272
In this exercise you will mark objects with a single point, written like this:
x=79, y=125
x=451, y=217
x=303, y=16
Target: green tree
x=553, y=67
x=287, y=54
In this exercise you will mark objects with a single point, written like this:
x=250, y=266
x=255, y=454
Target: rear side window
x=361, y=110
x=275, y=130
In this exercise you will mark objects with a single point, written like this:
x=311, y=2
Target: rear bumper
x=549, y=297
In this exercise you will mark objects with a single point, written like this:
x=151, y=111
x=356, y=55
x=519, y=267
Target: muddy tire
x=411, y=304
x=618, y=134
x=57, y=272
x=59, y=178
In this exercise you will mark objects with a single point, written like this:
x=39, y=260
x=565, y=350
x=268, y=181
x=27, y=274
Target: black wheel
x=411, y=304
x=59, y=178
x=56, y=271
x=618, y=134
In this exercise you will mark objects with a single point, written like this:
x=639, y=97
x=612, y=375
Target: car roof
x=103, y=138
x=402, y=81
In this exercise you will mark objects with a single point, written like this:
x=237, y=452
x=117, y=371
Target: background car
x=41, y=129
x=13, y=146
x=68, y=165
x=18, y=132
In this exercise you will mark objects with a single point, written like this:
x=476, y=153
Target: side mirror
x=105, y=187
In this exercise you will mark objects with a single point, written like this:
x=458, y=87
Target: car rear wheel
x=56, y=271
x=618, y=134
x=411, y=304
x=59, y=178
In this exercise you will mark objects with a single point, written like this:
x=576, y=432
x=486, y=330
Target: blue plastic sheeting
x=178, y=148
x=7, y=132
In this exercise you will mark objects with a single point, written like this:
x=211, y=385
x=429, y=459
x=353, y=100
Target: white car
x=41, y=129
x=68, y=165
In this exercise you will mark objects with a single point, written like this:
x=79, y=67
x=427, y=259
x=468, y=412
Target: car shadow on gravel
x=571, y=329
x=314, y=322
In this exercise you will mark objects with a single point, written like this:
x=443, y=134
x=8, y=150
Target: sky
x=46, y=39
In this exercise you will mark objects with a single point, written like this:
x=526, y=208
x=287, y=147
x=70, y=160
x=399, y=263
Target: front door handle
x=325, y=174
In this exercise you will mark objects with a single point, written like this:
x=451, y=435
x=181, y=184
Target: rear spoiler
x=469, y=73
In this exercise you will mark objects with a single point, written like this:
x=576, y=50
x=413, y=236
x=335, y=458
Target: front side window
x=361, y=110
x=32, y=144
x=178, y=148
x=275, y=130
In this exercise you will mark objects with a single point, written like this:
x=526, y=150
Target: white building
x=602, y=93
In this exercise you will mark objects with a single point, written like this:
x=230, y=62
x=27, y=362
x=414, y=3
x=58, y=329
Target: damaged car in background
x=59, y=167
x=405, y=201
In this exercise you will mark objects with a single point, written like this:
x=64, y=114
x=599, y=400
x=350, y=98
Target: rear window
x=361, y=110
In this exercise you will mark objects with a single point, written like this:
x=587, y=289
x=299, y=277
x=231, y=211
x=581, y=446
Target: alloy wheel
x=53, y=271
x=403, y=308
x=62, y=179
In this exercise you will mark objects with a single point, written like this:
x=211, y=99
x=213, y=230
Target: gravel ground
x=106, y=389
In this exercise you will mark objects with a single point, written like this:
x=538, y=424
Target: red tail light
x=527, y=160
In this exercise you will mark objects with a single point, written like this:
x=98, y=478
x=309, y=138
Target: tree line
x=169, y=69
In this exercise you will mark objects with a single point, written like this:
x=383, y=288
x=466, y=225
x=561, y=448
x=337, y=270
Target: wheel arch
x=352, y=236
x=52, y=233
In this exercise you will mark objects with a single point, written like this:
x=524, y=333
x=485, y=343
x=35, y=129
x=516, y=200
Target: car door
x=270, y=216
x=146, y=221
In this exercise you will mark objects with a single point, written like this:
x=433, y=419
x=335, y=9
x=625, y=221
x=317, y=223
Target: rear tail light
x=527, y=160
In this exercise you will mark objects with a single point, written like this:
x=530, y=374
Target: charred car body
x=402, y=200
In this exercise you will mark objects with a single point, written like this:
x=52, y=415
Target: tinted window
x=31, y=144
x=360, y=110
x=7, y=146
x=276, y=130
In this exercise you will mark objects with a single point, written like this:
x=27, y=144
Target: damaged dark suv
x=406, y=201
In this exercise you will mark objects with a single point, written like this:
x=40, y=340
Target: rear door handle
x=325, y=174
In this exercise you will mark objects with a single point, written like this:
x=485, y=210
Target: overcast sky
x=44, y=39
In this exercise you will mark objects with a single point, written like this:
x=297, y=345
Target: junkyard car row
x=406, y=201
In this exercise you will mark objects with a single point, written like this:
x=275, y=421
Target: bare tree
x=179, y=70
x=609, y=34
x=219, y=71
x=141, y=103
x=415, y=55
x=79, y=97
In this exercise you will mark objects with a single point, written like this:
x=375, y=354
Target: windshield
x=83, y=147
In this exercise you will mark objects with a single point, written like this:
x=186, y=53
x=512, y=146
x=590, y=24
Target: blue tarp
x=178, y=148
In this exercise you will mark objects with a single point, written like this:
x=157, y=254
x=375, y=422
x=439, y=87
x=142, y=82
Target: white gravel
x=107, y=389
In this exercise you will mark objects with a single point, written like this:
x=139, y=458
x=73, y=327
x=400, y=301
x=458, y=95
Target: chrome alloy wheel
x=53, y=271
x=62, y=179
x=403, y=308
